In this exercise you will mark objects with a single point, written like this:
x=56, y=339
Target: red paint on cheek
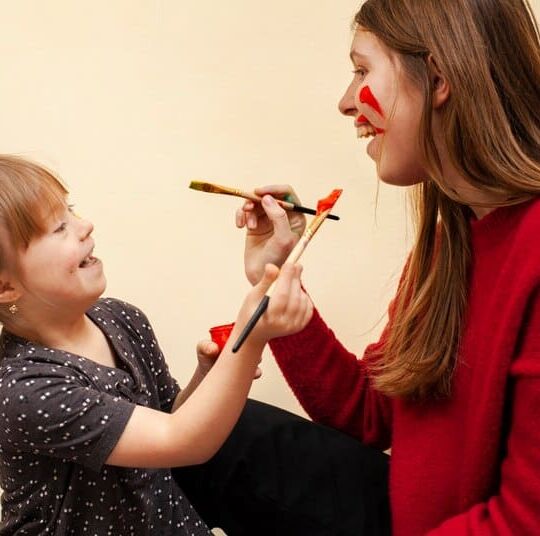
x=367, y=97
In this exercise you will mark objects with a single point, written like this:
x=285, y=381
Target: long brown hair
x=489, y=52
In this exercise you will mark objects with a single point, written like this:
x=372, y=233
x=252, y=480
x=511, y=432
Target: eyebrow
x=357, y=55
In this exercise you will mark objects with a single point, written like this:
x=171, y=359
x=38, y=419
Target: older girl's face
x=386, y=108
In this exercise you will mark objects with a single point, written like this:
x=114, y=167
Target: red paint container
x=220, y=334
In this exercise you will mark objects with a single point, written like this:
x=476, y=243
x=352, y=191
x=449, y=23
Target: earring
x=13, y=309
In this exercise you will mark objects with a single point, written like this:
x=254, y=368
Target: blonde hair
x=489, y=52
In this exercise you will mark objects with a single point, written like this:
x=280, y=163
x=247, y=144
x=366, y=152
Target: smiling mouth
x=364, y=129
x=89, y=260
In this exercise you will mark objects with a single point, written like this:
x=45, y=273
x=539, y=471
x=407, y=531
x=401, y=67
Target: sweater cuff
x=306, y=341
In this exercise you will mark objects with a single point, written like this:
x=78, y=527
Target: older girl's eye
x=360, y=72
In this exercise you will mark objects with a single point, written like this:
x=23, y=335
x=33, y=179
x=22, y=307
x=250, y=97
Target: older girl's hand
x=272, y=232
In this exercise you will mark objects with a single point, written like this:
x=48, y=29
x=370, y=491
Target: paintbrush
x=226, y=190
x=324, y=206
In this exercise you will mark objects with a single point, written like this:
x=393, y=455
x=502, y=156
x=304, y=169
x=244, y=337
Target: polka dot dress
x=60, y=417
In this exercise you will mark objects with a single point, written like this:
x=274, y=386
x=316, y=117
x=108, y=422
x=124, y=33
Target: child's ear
x=8, y=292
x=440, y=84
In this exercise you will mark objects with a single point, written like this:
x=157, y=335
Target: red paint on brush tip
x=328, y=202
x=367, y=97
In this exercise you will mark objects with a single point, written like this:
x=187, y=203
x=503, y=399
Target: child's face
x=386, y=107
x=57, y=269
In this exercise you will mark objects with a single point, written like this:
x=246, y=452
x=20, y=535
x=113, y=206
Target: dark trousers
x=279, y=474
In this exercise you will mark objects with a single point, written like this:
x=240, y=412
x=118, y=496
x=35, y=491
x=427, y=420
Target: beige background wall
x=130, y=100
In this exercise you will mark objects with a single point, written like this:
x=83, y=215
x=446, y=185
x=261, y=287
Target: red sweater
x=469, y=465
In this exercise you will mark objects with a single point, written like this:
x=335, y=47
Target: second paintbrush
x=226, y=190
x=324, y=206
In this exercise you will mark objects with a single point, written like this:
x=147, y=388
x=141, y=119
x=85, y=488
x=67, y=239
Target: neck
x=63, y=330
x=480, y=212
x=481, y=202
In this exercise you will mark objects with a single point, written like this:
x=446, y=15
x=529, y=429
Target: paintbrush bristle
x=199, y=185
x=214, y=188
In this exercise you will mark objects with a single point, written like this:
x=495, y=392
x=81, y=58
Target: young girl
x=448, y=91
x=91, y=419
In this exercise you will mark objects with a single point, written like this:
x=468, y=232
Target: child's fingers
x=271, y=273
x=298, y=299
x=296, y=307
x=281, y=295
x=207, y=349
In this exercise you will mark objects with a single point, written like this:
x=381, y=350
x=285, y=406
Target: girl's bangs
x=29, y=197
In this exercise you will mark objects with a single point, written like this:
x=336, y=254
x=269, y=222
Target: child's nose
x=86, y=228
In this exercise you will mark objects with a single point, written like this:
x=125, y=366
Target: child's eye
x=60, y=228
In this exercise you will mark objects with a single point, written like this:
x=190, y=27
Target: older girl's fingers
x=278, y=217
x=248, y=215
x=240, y=218
x=280, y=191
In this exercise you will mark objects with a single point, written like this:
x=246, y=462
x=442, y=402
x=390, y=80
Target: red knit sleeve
x=515, y=508
x=332, y=385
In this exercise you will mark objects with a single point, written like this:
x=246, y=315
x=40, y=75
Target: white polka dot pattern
x=60, y=417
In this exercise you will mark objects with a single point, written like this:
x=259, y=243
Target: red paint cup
x=220, y=334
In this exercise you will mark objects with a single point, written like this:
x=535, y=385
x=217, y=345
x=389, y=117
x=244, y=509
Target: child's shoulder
x=118, y=308
x=20, y=359
x=121, y=313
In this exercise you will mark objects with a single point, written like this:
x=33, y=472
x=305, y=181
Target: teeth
x=86, y=261
x=365, y=131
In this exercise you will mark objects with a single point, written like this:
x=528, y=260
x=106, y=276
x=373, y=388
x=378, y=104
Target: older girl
x=448, y=94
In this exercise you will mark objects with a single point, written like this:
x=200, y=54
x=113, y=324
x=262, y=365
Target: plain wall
x=131, y=100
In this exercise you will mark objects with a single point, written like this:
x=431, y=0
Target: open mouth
x=365, y=129
x=89, y=260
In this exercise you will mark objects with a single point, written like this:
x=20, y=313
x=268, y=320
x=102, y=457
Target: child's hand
x=289, y=309
x=207, y=354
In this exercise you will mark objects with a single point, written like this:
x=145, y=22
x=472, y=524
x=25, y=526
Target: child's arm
x=207, y=353
x=196, y=430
